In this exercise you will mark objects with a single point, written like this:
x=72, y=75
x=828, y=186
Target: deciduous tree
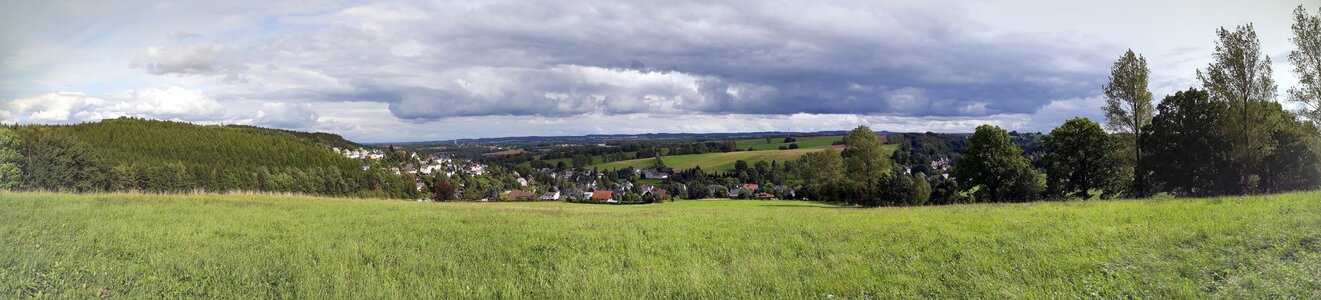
x=995, y=168
x=1128, y=106
x=1307, y=62
x=1080, y=156
x=1240, y=74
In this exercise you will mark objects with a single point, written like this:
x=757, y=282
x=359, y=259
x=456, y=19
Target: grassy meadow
x=803, y=142
x=721, y=161
x=236, y=246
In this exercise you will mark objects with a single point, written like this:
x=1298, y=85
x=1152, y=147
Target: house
x=602, y=195
x=734, y=192
x=655, y=174
x=571, y=193
x=585, y=181
x=751, y=186
x=554, y=195
x=421, y=187
x=522, y=182
x=764, y=196
x=519, y=195
x=395, y=170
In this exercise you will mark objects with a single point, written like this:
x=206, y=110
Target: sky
x=384, y=71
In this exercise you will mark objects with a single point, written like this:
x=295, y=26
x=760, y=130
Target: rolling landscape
x=688, y=150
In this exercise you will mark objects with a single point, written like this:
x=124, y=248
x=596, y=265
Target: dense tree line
x=161, y=156
x=1229, y=137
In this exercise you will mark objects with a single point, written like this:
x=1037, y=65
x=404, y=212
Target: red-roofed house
x=517, y=195
x=602, y=195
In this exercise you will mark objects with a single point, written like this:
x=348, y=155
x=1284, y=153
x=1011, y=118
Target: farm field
x=240, y=246
x=596, y=159
x=722, y=161
x=803, y=142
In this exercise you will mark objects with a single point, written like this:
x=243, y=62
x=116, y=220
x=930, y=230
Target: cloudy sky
x=435, y=70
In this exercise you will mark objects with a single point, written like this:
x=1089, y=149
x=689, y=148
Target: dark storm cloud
x=432, y=61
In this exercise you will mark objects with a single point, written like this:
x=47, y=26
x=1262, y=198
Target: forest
x=130, y=154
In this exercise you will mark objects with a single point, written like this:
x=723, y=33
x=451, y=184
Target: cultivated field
x=209, y=246
x=803, y=142
x=721, y=161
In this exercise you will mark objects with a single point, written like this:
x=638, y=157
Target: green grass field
x=596, y=159
x=214, y=246
x=721, y=161
x=803, y=142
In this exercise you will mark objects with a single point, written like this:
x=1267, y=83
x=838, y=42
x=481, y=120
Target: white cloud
x=62, y=107
x=189, y=59
x=174, y=103
x=286, y=115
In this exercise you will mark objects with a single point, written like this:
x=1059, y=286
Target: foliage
x=1240, y=75
x=162, y=156
x=1128, y=101
x=822, y=175
x=921, y=189
x=995, y=167
x=1307, y=62
x=1187, y=152
x=11, y=172
x=1294, y=162
x=865, y=159
x=1128, y=109
x=59, y=163
x=1081, y=157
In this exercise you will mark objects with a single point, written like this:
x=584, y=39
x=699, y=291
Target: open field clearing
x=803, y=142
x=138, y=246
x=721, y=161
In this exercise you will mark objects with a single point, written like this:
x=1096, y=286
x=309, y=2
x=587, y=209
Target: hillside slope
x=139, y=141
x=163, y=156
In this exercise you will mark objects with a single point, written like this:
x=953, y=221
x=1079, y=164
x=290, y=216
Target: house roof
x=518, y=194
x=602, y=195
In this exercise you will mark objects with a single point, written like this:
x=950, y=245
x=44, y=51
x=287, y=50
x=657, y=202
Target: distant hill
x=328, y=139
x=599, y=138
x=138, y=141
x=166, y=156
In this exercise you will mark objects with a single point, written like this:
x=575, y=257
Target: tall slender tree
x=1240, y=75
x=1307, y=62
x=1128, y=108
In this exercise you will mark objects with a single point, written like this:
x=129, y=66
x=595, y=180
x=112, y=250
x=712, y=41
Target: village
x=468, y=180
